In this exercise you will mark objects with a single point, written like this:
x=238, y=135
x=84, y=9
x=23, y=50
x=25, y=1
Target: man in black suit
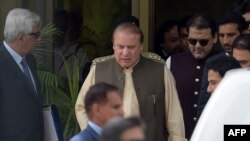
x=102, y=102
x=20, y=98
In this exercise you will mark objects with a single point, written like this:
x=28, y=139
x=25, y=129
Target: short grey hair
x=19, y=21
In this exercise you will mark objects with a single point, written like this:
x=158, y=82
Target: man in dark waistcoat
x=187, y=67
x=147, y=86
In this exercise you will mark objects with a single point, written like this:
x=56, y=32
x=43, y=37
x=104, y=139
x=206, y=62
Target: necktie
x=130, y=102
x=26, y=71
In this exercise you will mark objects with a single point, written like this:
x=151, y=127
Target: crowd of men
x=130, y=95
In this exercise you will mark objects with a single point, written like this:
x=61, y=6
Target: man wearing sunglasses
x=187, y=67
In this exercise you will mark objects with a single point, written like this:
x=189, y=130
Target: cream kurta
x=130, y=102
x=174, y=121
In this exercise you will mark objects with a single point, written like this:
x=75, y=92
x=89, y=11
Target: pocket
x=151, y=105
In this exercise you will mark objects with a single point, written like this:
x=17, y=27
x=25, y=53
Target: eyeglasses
x=202, y=42
x=36, y=35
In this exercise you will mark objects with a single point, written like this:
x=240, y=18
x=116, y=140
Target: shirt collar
x=18, y=58
x=95, y=127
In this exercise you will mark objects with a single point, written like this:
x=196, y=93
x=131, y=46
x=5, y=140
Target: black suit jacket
x=21, y=116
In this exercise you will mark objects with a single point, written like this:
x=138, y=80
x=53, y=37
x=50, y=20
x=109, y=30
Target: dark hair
x=160, y=35
x=127, y=19
x=241, y=6
x=130, y=28
x=165, y=27
x=97, y=94
x=61, y=19
x=114, y=129
x=233, y=17
x=201, y=21
x=242, y=42
x=182, y=23
x=223, y=64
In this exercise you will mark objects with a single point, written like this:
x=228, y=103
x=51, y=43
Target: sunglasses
x=202, y=42
x=36, y=35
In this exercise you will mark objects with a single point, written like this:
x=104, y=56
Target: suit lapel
x=10, y=63
x=93, y=133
